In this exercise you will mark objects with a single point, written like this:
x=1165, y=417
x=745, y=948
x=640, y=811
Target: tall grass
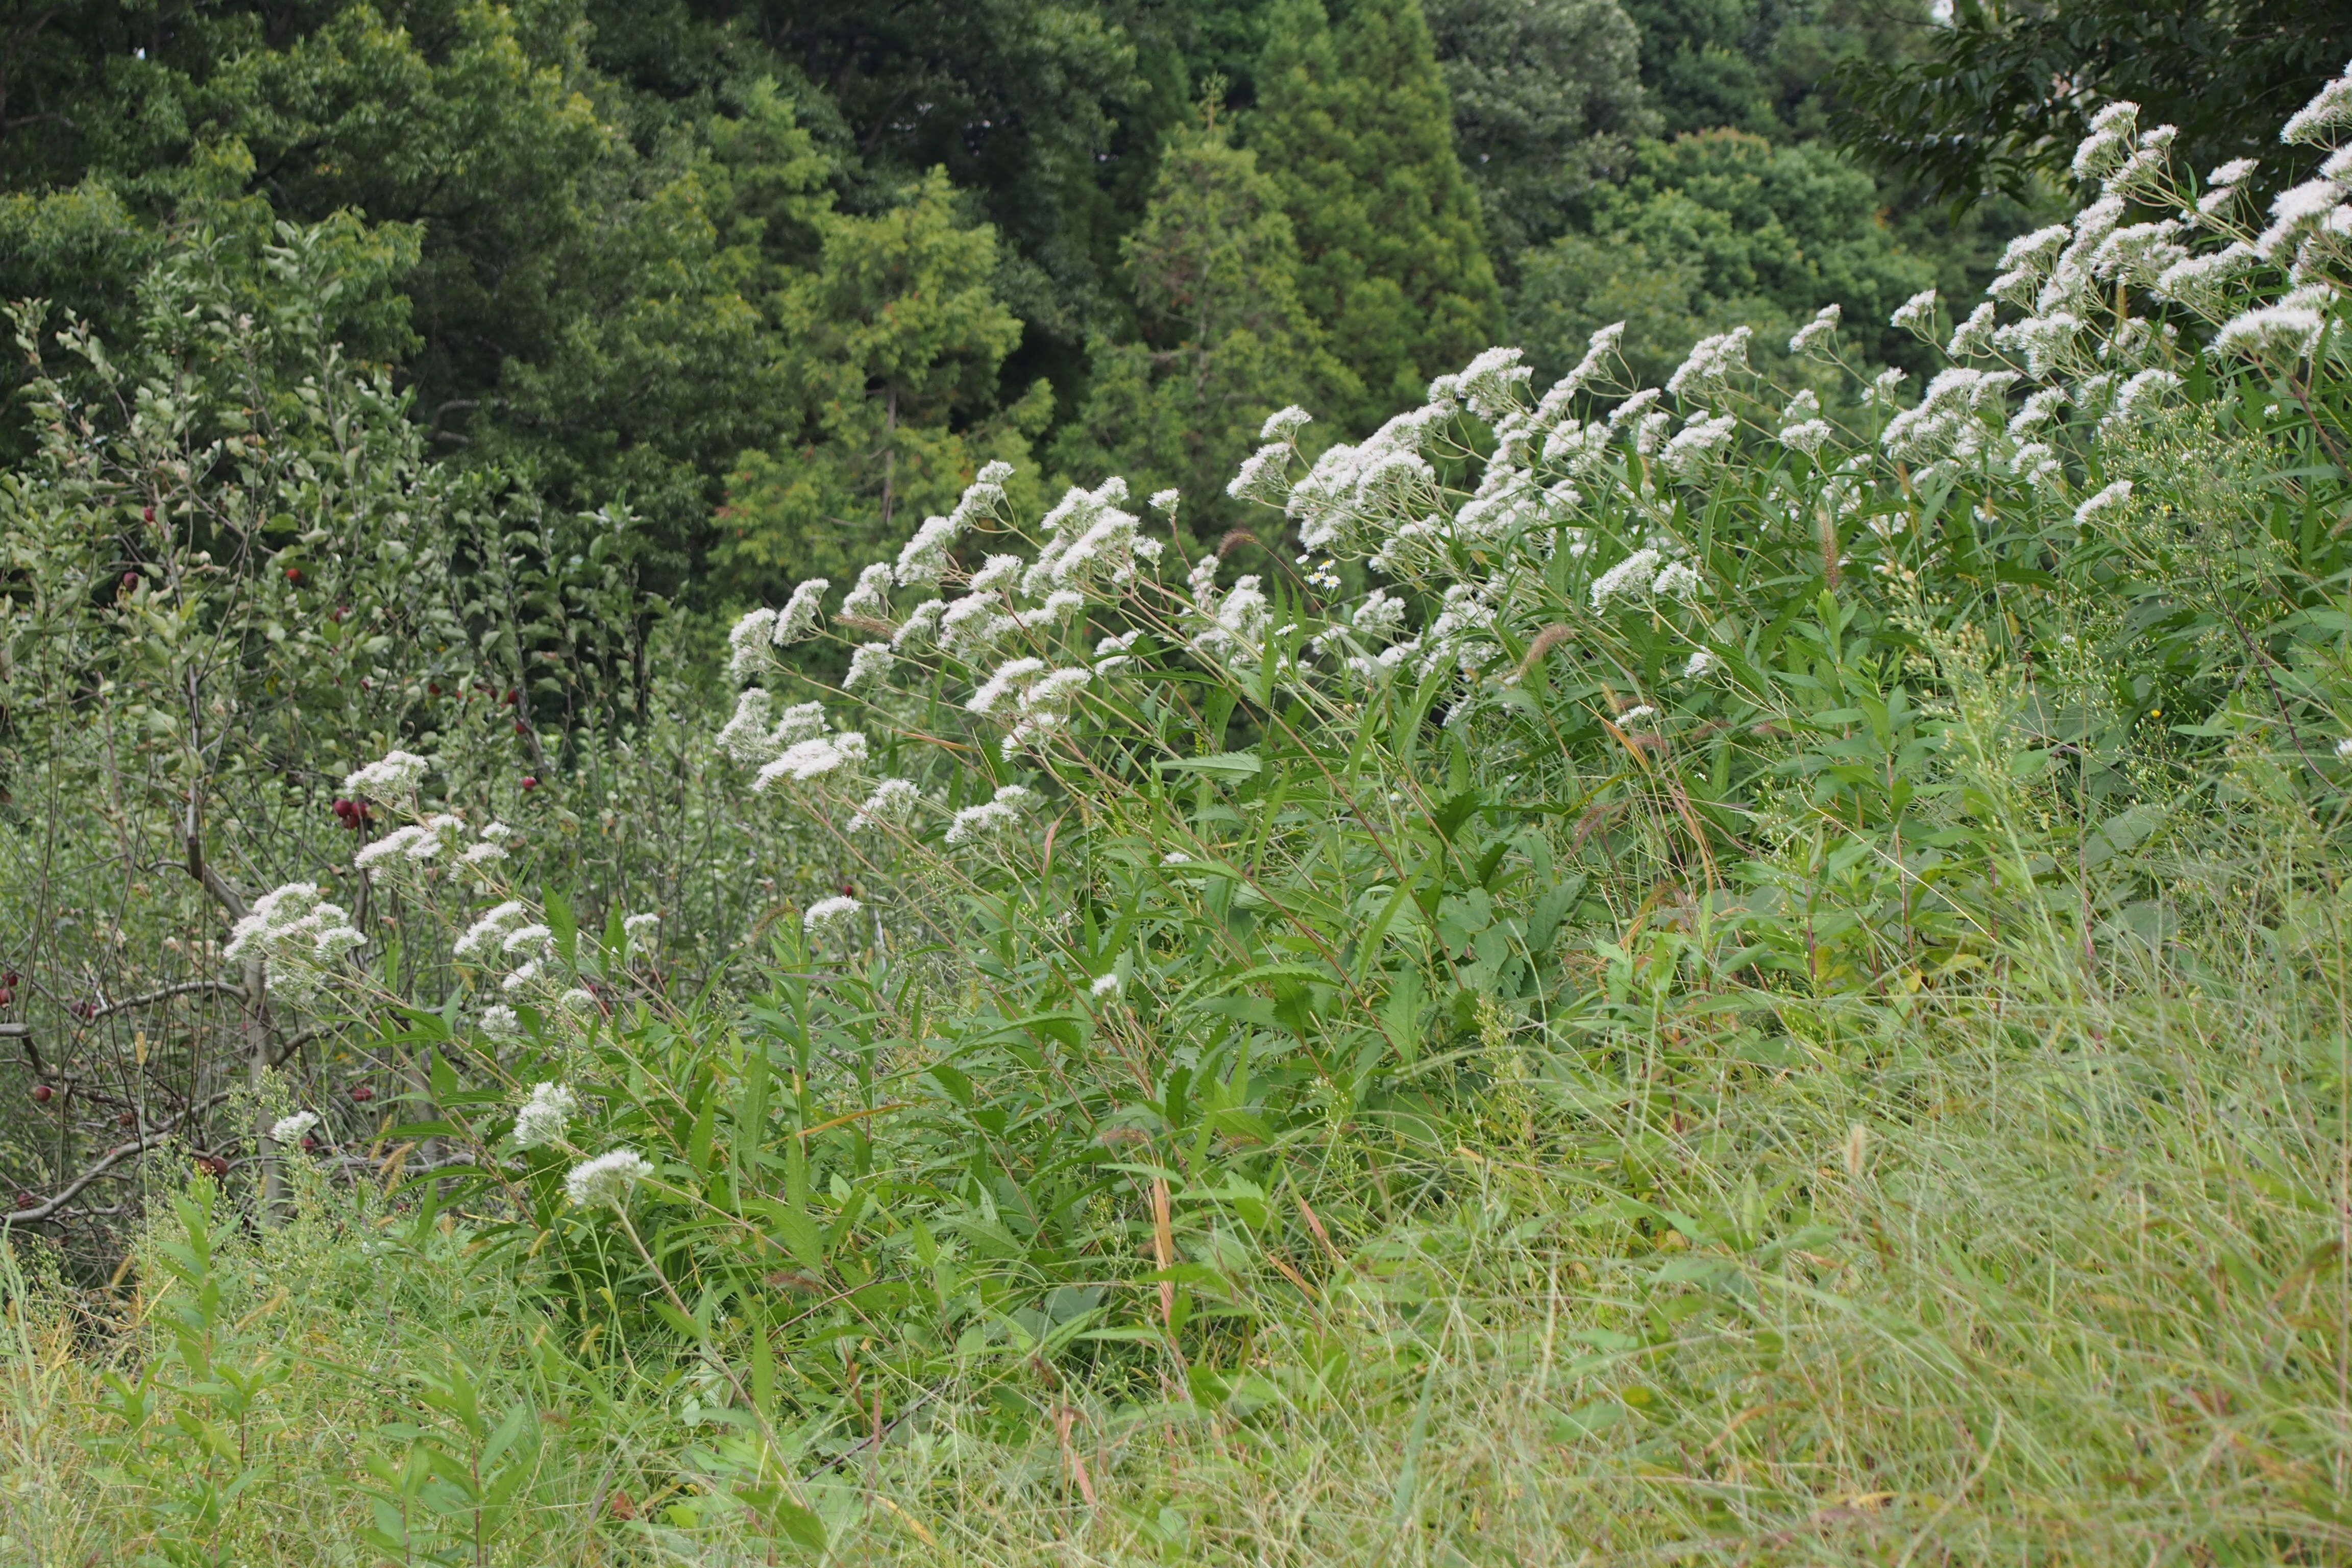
x=1779, y=993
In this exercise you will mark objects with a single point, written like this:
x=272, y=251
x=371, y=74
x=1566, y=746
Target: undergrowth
x=1777, y=993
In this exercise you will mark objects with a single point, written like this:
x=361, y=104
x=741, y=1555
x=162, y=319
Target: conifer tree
x=1226, y=339
x=1354, y=127
x=896, y=337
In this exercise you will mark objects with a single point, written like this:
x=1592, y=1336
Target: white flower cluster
x=1646, y=574
x=298, y=936
x=1712, y=364
x=508, y=935
x=435, y=838
x=604, y=1181
x=394, y=778
x=893, y=803
x=828, y=915
x=1487, y=506
x=992, y=819
x=542, y=1118
x=293, y=1129
x=925, y=559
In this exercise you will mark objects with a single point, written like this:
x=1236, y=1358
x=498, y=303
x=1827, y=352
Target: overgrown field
x=1749, y=971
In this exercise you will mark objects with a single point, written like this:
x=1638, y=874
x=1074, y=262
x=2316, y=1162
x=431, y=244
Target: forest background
x=777, y=279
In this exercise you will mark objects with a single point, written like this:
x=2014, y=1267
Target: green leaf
x=1224, y=764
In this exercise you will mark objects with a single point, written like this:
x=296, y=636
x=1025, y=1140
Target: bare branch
x=105, y=1162
x=184, y=988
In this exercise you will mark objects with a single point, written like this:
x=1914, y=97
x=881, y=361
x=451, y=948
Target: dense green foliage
x=1629, y=951
x=1356, y=137
x=656, y=255
x=2006, y=92
x=1710, y=231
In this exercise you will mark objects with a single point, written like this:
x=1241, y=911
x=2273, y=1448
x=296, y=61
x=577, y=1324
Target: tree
x=1226, y=342
x=895, y=338
x=1711, y=231
x=1353, y=126
x=1020, y=101
x=2003, y=95
x=1761, y=66
x=1546, y=94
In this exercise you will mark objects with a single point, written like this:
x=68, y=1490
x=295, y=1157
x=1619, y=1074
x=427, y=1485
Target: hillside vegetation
x=1745, y=964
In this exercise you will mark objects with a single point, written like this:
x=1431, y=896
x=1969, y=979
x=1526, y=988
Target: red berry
x=293, y=573
x=43, y=1094
x=309, y=1144
x=433, y=687
x=127, y=1119
x=27, y=1200
x=214, y=1165
x=363, y=1094
x=129, y=580
x=365, y=684
x=148, y=512
x=521, y=728
x=529, y=782
x=10, y=977
x=7, y=995
x=512, y=693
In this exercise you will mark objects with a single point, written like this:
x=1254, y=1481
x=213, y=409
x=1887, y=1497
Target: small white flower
x=1280, y=426
x=1677, y=581
x=749, y=643
x=801, y=612
x=1106, y=986
x=395, y=845
x=1821, y=331
x=1164, y=501
x=893, y=803
x=2344, y=749
x=290, y=1128
x=2109, y=499
x=396, y=777
x=871, y=597
x=501, y=1022
x=1712, y=362
x=1701, y=665
x=2330, y=107
x=1175, y=858
x=642, y=927
x=529, y=937
x=484, y=854
x=1629, y=577
x=1915, y=314
x=1633, y=716
x=925, y=559
x=745, y=737
x=1973, y=336
x=542, y=1118
x=975, y=822
x=827, y=914
x=604, y=1181
x=869, y=665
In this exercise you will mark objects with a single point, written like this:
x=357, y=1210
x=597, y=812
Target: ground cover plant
x=1751, y=969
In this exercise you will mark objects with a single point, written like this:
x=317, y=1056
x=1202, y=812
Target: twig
x=184, y=988
x=105, y=1162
